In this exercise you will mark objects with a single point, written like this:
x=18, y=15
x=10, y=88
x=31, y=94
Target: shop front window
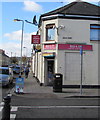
x=50, y=32
x=95, y=32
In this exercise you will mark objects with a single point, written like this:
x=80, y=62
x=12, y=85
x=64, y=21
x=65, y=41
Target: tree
x=14, y=60
x=24, y=59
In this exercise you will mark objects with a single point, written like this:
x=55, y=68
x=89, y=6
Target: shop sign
x=48, y=54
x=35, y=39
x=50, y=47
x=74, y=47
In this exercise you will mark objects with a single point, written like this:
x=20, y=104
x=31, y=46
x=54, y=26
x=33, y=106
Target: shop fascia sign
x=50, y=47
x=35, y=39
x=74, y=47
x=48, y=54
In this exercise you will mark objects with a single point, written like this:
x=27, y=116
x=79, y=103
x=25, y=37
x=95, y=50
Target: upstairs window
x=95, y=32
x=50, y=32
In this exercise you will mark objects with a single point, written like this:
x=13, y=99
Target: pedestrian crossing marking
x=1, y=109
x=13, y=116
x=43, y=107
x=14, y=108
x=2, y=103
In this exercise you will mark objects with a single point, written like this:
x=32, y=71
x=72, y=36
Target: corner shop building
x=63, y=31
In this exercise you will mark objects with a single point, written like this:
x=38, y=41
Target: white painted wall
x=79, y=30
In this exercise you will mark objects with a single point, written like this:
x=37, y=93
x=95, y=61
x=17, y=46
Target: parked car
x=16, y=69
x=6, y=76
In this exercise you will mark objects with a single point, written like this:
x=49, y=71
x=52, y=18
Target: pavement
x=33, y=89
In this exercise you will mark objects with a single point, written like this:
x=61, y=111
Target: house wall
x=79, y=31
x=0, y=59
x=39, y=66
x=33, y=64
x=43, y=41
x=4, y=59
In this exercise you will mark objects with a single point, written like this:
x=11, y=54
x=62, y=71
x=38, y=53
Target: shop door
x=50, y=71
x=72, y=68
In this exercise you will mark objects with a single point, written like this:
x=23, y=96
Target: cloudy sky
x=10, y=34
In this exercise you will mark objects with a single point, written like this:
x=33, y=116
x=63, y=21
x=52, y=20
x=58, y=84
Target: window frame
x=49, y=26
x=93, y=27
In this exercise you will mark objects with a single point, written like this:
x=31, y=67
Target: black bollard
x=6, y=108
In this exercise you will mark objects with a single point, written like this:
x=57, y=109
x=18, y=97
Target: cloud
x=16, y=35
x=11, y=47
x=32, y=6
x=13, y=43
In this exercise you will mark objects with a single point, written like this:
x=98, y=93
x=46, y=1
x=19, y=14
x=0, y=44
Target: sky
x=10, y=34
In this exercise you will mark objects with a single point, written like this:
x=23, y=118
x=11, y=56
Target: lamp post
x=26, y=50
x=11, y=54
x=21, y=42
x=26, y=53
x=34, y=22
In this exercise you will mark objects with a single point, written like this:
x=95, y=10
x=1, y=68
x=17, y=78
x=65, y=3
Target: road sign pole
x=81, y=53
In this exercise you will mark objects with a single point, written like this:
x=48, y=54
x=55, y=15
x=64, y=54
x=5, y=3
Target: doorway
x=49, y=71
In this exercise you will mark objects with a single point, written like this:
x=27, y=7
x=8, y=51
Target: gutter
x=59, y=15
x=70, y=17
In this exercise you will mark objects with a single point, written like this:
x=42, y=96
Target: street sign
x=35, y=39
x=81, y=50
x=19, y=85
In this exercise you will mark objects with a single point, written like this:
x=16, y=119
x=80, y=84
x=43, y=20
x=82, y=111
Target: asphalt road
x=6, y=90
x=32, y=108
x=57, y=113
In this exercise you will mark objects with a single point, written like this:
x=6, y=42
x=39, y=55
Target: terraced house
x=4, y=59
x=65, y=33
